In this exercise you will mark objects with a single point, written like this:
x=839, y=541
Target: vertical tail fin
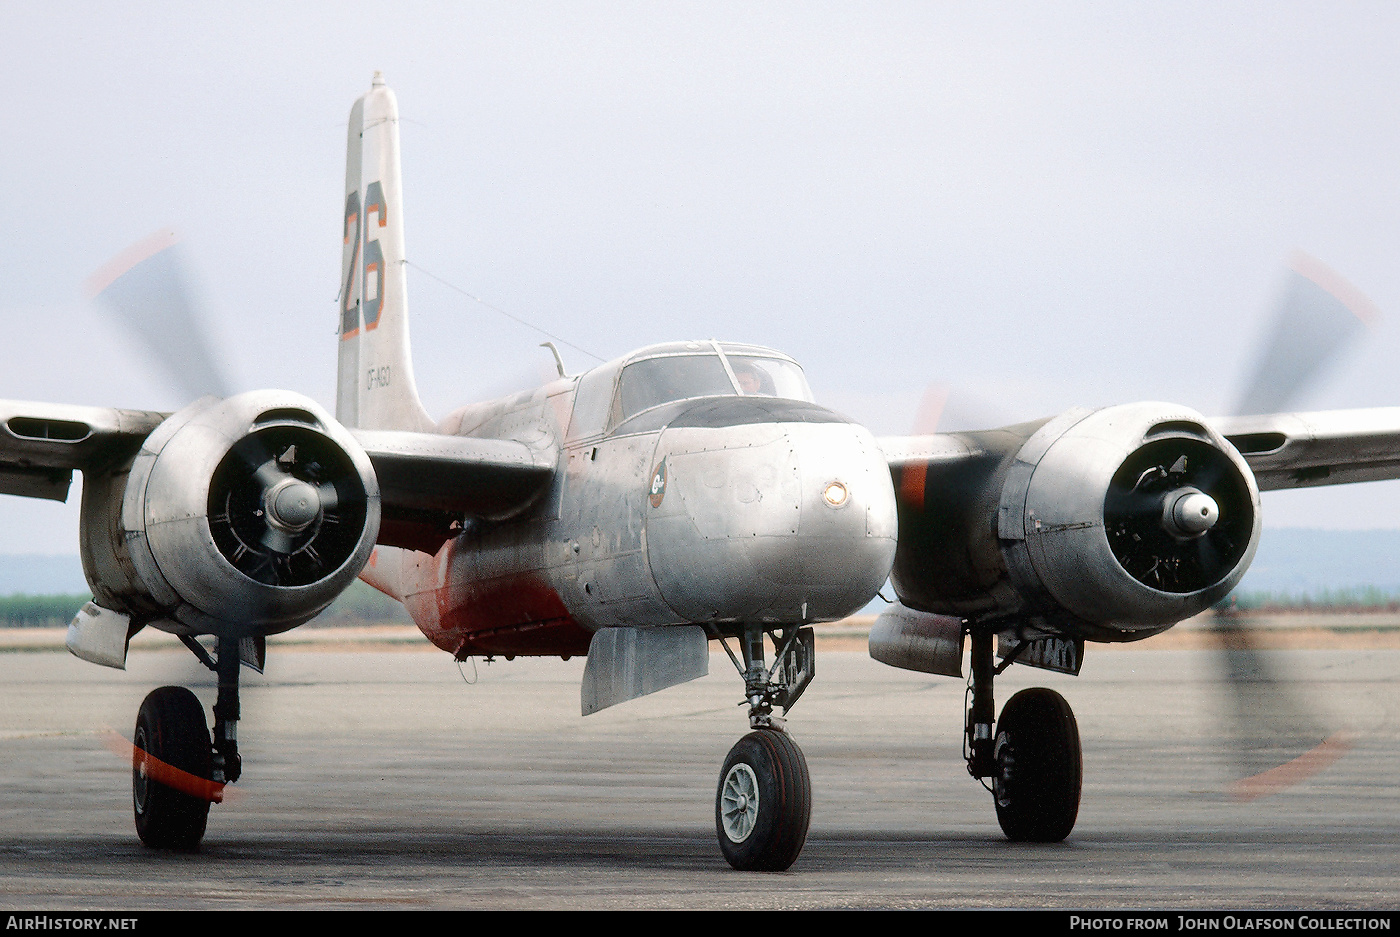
x=375, y=388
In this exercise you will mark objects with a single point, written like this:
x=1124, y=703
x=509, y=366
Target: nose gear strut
x=781, y=685
x=763, y=804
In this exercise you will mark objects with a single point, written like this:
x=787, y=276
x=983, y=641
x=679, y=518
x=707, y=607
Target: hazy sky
x=1039, y=205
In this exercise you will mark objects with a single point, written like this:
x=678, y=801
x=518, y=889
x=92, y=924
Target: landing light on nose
x=835, y=494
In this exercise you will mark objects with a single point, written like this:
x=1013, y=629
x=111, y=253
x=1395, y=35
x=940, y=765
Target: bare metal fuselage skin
x=716, y=510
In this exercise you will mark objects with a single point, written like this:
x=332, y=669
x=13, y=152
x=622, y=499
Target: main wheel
x=170, y=733
x=1040, y=768
x=764, y=802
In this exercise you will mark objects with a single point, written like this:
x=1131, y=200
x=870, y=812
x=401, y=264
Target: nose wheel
x=764, y=802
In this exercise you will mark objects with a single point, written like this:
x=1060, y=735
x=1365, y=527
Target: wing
x=1284, y=450
x=42, y=443
x=428, y=482
x=1303, y=450
x=936, y=448
x=923, y=466
x=1001, y=522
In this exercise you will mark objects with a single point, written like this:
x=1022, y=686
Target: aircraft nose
x=770, y=522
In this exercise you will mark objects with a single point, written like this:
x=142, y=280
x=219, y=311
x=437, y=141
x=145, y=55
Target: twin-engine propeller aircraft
x=684, y=493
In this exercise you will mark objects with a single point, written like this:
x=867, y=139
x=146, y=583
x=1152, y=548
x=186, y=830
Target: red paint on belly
x=511, y=615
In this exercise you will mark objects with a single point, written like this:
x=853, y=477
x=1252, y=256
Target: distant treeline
x=40, y=611
x=362, y=604
x=358, y=605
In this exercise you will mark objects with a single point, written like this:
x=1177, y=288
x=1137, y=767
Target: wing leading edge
x=42, y=443
x=1284, y=450
x=426, y=480
x=456, y=474
x=1304, y=450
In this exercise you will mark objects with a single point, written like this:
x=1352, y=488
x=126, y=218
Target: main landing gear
x=1033, y=758
x=763, y=804
x=176, y=770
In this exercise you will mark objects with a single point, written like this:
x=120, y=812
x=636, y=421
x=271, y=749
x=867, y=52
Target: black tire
x=766, y=836
x=1040, y=767
x=170, y=727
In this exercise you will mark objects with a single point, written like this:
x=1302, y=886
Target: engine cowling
x=1109, y=524
x=239, y=516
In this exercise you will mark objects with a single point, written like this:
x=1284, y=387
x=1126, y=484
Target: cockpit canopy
x=661, y=374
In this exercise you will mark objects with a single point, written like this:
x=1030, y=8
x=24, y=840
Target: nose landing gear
x=763, y=805
x=764, y=802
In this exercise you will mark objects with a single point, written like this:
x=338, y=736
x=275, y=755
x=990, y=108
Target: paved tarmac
x=379, y=778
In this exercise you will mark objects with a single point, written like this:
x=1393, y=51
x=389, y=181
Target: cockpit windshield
x=727, y=371
x=769, y=377
x=653, y=381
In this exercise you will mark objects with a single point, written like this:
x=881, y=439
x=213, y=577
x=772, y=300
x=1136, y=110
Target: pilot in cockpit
x=753, y=380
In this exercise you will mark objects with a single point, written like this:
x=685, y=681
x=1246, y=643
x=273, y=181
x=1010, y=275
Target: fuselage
x=697, y=483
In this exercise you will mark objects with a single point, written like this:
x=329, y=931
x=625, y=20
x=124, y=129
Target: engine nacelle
x=1109, y=524
x=240, y=516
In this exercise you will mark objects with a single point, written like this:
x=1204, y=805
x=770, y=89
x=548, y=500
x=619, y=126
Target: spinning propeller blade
x=149, y=291
x=169, y=775
x=285, y=503
x=1274, y=740
x=1319, y=316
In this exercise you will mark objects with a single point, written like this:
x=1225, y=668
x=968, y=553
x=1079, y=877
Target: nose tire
x=1039, y=767
x=763, y=805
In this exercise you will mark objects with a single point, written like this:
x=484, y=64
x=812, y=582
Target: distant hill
x=41, y=574
x=1302, y=562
